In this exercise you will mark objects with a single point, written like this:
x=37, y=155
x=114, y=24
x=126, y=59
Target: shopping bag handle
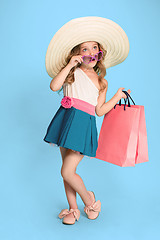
x=125, y=99
x=128, y=95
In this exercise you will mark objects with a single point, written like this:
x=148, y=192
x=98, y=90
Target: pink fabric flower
x=67, y=102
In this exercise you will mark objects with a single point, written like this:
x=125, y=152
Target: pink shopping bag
x=123, y=137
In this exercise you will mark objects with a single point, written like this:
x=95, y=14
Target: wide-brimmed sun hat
x=102, y=30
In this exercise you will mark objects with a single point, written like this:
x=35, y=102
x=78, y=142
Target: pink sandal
x=93, y=210
x=69, y=220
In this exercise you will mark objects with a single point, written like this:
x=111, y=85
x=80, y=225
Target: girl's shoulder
x=105, y=81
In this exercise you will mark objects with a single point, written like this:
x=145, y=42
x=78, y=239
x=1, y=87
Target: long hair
x=99, y=68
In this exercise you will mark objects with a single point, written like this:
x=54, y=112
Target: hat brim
x=102, y=30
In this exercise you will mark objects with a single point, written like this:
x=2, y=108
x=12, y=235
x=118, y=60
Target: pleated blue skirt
x=74, y=129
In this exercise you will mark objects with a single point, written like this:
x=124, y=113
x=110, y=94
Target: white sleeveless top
x=82, y=88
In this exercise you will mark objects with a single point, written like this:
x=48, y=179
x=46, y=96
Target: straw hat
x=78, y=30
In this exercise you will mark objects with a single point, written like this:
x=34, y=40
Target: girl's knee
x=66, y=173
x=70, y=163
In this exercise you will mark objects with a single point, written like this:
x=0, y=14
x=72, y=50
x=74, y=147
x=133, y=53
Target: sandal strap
x=65, y=212
x=96, y=207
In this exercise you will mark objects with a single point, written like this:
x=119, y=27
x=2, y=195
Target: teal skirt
x=74, y=129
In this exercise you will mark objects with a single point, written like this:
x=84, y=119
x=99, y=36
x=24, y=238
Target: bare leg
x=68, y=172
x=70, y=192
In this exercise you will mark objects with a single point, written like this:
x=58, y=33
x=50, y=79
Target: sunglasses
x=88, y=58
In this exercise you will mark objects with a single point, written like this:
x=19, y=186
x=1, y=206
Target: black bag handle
x=125, y=99
x=129, y=96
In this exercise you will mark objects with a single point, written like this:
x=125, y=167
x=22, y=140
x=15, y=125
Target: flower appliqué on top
x=67, y=102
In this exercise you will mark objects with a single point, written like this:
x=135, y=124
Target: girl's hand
x=122, y=94
x=75, y=60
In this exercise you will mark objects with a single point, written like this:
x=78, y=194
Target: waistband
x=68, y=102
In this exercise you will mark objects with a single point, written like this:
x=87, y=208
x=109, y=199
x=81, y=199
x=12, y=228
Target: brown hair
x=99, y=67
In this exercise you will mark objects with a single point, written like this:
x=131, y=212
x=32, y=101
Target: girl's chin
x=90, y=64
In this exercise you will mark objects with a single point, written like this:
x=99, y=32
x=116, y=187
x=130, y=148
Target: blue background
x=31, y=186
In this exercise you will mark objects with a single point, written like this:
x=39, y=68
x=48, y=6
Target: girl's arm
x=59, y=79
x=106, y=107
x=103, y=107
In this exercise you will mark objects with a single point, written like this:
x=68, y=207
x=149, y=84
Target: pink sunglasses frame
x=92, y=57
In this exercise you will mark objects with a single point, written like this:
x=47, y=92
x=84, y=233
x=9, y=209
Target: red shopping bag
x=123, y=137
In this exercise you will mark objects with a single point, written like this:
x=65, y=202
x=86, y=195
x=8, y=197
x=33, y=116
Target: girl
x=73, y=128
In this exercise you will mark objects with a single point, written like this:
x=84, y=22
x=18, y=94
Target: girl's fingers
x=81, y=59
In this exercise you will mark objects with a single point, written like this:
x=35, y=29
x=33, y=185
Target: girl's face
x=89, y=48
